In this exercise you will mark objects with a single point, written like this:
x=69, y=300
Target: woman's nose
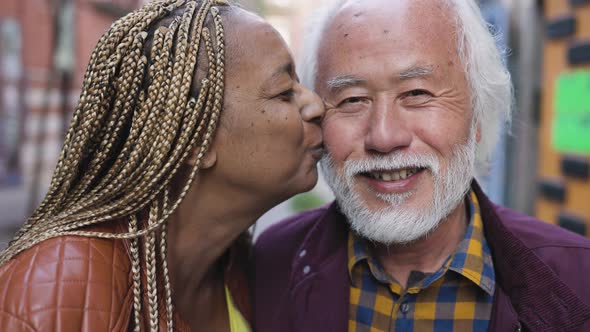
x=312, y=107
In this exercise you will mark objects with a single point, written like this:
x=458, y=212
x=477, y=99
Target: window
x=10, y=101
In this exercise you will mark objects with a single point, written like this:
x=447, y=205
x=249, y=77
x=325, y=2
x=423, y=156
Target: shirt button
x=404, y=308
x=306, y=269
x=302, y=253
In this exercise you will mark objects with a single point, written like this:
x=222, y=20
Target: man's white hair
x=486, y=72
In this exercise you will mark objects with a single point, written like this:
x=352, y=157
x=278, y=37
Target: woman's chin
x=302, y=185
x=310, y=181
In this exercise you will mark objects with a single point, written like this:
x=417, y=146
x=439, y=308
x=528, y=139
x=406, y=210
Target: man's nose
x=312, y=107
x=388, y=130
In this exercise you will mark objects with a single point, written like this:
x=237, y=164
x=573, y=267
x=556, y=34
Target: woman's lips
x=317, y=151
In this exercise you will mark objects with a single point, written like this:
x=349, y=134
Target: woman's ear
x=209, y=159
x=478, y=133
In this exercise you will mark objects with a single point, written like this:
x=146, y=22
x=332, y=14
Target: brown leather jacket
x=72, y=283
x=68, y=284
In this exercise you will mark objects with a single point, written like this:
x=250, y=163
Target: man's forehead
x=359, y=10
x=358, y=22
x=373, y=4
x=353, y=13
x=363, y=38
x=361, y=26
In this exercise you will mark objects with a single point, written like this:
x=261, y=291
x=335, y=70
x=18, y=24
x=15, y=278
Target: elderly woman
x=191, y=124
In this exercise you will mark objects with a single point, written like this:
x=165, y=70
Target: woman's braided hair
x=134, y=126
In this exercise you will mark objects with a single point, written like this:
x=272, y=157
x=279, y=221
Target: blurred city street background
x=540, y=166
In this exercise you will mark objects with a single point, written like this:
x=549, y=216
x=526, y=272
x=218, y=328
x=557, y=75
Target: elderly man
x=415, y=92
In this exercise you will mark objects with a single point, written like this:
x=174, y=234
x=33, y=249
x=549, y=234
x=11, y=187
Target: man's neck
x=425, y=255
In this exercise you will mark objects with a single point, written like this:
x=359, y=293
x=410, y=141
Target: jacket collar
x=540, y=299
x=319, y=284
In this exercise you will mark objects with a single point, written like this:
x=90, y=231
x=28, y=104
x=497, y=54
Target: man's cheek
x=338, y=142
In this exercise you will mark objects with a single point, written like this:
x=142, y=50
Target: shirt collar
x=472, y=259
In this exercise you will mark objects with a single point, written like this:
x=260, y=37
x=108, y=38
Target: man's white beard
x=399, y=224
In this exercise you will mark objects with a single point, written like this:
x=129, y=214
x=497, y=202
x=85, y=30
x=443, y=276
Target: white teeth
x=394, y=176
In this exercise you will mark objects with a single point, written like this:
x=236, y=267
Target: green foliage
x=306, y=201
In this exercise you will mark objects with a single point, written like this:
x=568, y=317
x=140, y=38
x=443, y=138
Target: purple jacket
x=301, y=283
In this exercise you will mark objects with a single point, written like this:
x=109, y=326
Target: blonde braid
x=202, y=150
x=134, y=126
x=150, y=260
x=128, y=206
x=165, y=271
x=184, y=90
x=99, y=103
x=135, y=270
x=167, y=213
x=131, y=161
x=220, y=62
x=131, y=168
x=134, y=65
x=135, y=148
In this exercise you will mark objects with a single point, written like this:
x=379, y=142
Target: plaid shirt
x=457, y=297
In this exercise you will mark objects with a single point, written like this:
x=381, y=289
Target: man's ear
x=478, y=133
x=209, y=159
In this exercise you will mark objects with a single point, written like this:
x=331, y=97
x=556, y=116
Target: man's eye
x=351, y=100
x=417, y=93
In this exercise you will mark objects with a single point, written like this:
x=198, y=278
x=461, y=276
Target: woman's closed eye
x=286, y=95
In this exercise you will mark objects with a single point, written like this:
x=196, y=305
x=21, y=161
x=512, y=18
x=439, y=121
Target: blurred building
x=289, y=17
x=563, y=167
x=44, y=49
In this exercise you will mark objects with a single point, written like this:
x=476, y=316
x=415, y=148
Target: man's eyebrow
x=342, y=82
x=415, y=72
x=339, y=83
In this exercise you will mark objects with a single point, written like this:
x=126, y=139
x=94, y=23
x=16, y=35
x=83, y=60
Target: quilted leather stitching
x=101, y=267
x=122, y=321
x=58, y=289
x=8, y=323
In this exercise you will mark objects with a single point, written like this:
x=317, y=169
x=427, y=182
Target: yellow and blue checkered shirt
x=457, y=297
